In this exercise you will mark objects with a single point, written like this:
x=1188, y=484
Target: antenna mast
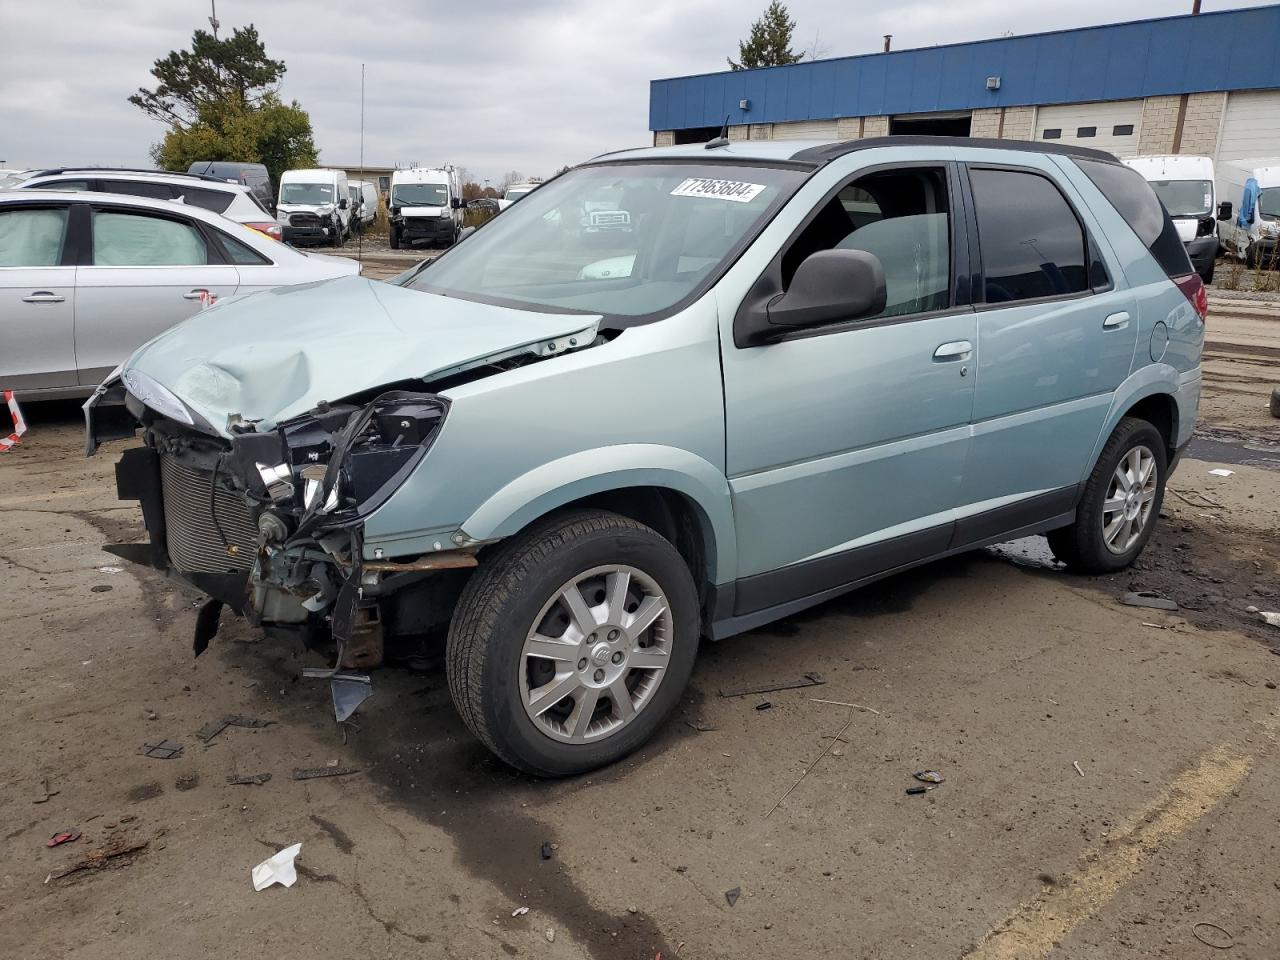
x=213, y=19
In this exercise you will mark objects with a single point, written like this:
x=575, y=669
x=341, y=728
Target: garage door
x=1110, y=126
x=1251, y=127
x=805, y=130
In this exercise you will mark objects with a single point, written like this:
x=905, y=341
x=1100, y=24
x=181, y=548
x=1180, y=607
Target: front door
x=147, y=272
x=37, y=298
x=1056, y=336
x=845, y=444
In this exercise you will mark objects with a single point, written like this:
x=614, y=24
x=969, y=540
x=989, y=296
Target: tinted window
x=901, y=216
x=1032, y=245
x=1053, y=133
x=238, y=252
x=1122, y=130
x=1086, y=131
x=32, y=237
x=137, y=188
x=123, y=239
x=203, y=197
x=62, y=185
x=1137, y=203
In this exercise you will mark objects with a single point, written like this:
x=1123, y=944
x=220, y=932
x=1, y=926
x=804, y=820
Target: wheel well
x=1161, y=411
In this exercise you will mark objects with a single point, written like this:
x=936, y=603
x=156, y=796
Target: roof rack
x=830, y=151
x=53, y=171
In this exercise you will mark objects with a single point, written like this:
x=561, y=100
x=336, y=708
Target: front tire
x=573, y=642
x=1120, y=503
x=395, y=237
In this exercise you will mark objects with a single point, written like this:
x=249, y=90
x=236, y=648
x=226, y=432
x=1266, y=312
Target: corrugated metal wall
x=1230, y=50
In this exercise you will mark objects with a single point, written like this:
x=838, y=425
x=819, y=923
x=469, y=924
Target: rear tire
x=1115, y=521
x=524, y=661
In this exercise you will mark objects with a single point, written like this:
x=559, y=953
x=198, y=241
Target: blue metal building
x=1206, y=84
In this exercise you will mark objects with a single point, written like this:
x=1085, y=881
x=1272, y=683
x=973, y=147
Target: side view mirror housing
x=1224, y=210
x=343, y=204
x=830, y=286
x=456, y=203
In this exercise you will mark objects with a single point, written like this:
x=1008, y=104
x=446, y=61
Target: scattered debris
x=808, y=680
x=162, y=750
x=701, y=726
x=546, y=850
x=1148, y=598
x=311, y=773
x=1216, y=942
x=682, y=869
x=253, y=779
x=188, y=781
x=551, y=934
x=277, y=868
x=764, y=705
x=633, y=909
x=44, y=793
x=1271, y=618
x=825, y=751
x=731, y=896
x=1251, y=609
x=1221, y=472
x=519, y=911
x=1156, y=626
x=100, y=588
x=1270, y=685
x=915, y=791
x=215, y=727
x=1076, y=764
x=929, y=776
x=1206, y=501
x=841, y=703
x=111, y=569
x=112, y=855
x=65, y=836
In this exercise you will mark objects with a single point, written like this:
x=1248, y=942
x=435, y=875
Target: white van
x=426, y=204
x=364, y=203
x=314, y=206
x=1185, y=185
x=516, y=191
x=1249, y=219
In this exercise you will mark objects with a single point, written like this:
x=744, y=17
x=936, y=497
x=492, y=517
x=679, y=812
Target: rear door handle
x=955, y=350
x=43, y=296
x=1117, y=321
x=195, y=294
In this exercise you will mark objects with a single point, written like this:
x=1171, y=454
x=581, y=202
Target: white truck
x=1249, y=219
x=426, y=204
x=314, y=206
x=1185, y=185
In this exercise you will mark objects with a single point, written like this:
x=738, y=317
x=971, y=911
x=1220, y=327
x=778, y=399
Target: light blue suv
x=800, y=368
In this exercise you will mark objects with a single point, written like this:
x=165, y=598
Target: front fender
x=578, y=475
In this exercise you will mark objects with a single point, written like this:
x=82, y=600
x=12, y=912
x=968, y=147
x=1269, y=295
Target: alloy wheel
x=1130, y=496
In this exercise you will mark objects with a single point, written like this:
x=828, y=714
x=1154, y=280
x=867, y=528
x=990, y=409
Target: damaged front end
x=269, y=519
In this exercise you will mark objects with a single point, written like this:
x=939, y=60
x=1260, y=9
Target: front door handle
x=195, y=294
x=1117, y=321
x=43, y=296
x=955, y=350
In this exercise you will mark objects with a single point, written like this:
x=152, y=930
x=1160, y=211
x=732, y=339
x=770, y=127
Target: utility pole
x=360, y=235
x=213, y=19
x=888, y=38
x=1195, y=8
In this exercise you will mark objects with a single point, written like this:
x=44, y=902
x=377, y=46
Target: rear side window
x=137, y=188
x=215, y=200
x=1138, y=204
x=1032, y=244
x=32, y=237
x=240, y=253
x=62, y=185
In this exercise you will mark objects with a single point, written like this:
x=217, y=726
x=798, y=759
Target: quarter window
x=1032, y=244
x=215, y=200
x=123, y=239
x=32, y=237
x=902, y=217
x=137, y=188
x=240, y=253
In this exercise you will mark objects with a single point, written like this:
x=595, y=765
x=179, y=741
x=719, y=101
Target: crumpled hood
x=275, y=354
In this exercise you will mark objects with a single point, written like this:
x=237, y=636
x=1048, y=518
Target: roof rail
x=53, y=171
x=830, y=151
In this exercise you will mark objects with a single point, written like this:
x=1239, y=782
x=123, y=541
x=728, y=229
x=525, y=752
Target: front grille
x=304, y=220
x=193, y=539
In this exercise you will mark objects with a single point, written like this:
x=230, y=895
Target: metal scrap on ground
x=1145, y=598
x=109, y=856
x=311, y=773
x=215, y=727
x=253, y=779
x=808, y=680
x=162, y=750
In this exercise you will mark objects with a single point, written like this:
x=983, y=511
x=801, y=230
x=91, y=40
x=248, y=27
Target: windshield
x=517, y=192
x=623, y=240
x=312, y=193
x=419, y=195
x=1185, y=198
x=1269, y=202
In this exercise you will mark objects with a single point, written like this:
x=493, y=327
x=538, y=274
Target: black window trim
x=1093, y=252
x=70, y=245
x=769, y=284
x=213, y=233
x=216, y=255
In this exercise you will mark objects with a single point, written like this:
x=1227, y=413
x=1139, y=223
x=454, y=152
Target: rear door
x=37, y=296
x=1056, y=329
x=146, y=271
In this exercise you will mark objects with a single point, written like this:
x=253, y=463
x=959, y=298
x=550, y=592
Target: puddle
x=1030, y=552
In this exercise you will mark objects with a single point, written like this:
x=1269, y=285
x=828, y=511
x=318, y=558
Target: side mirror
x=343, y=204
x=456, y=203
x=830, y=286
x=1224, y=210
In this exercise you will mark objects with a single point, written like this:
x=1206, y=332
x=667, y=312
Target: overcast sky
x=492, y=85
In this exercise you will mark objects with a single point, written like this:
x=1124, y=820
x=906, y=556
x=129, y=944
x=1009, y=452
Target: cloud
x=492, y=85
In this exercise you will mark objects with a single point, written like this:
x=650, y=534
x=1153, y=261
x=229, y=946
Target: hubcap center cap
x=600, y=654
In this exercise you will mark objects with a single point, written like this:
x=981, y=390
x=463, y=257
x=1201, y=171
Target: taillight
x=1192, y=288
x=268, y=228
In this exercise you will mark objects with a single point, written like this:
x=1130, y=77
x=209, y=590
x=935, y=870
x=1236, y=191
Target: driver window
x=901, y=216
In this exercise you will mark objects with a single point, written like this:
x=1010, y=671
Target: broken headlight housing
x=336, y=464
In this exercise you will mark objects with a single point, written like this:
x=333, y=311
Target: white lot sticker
x=734, y=190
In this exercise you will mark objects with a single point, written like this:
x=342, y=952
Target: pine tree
x=769, y=44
